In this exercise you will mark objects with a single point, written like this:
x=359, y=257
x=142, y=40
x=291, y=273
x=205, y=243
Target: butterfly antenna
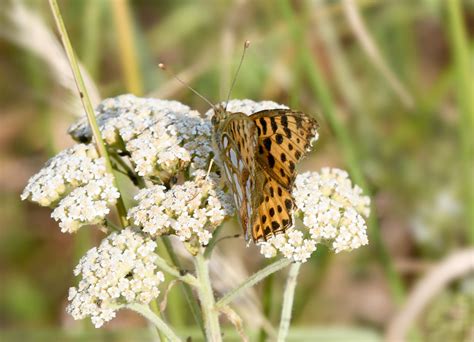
x=246, y=45
x=172, y=74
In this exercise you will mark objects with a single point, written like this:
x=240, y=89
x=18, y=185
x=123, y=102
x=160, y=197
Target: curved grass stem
x=463, y=67
x=86, y=102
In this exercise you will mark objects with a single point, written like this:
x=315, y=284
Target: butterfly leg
x=209, y=168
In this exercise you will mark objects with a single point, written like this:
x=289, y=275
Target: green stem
x=164, y=266
x=86, y=102
x=464, y=93
x=267, y=293
x=129, y=171
x=288, y=297
x=188, y=293
x=212, y=243
x=348, y=147
x=157, y=321
x=252, y=280
x=156, y=310
x=206, y=297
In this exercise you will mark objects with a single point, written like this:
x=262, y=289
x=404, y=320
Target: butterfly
x=258, y=155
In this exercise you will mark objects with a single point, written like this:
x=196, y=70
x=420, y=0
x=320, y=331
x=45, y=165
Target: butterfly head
x=220, y=114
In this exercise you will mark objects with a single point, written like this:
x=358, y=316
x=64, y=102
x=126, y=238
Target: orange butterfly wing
x=238, y=146
x=284, y=137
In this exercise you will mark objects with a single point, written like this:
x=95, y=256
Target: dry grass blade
x=455, y=266
x=371, y=49
x=28, y=30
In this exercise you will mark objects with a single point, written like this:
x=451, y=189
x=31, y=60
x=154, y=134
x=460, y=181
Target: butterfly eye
x=214, y=119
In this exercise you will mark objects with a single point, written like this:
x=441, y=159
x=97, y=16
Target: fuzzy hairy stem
x=252, y=280
x=157, y=322
x=288, y=297
x=187, y=291
x=165, y=266
x=206, y=297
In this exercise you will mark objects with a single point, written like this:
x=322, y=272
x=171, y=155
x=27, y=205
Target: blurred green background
x=390, y=81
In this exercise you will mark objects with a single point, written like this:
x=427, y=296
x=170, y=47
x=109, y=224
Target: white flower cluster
x=191, y=210
x=247, y=106
x=292, y=245
x=332, y=211
x=162, y=137
x=76, y=184
x=120, y=271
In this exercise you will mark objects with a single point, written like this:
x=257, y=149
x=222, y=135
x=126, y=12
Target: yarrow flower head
x=76, y=184
x=247, y=106
x=120, y=271
x=191, y=211
x=332, y=212
x=162, y=137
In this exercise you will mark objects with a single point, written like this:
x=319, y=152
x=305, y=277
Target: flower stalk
x=206, y=297
x=187, y=291
x=166, y=267
x=288, y=298
x=157, y=322
x=251, y=281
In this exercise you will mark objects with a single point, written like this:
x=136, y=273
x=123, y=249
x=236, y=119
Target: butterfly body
x=258, y=155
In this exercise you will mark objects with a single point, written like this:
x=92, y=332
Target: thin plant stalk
x=464, y=92
x=86, y=102
x=157, y=321
x=252, y=280
x=156, y=310
x=348, y=147
x=268, y=289
x=187, y=291
x=288, y=297
x=207, y=300
x=187, y=278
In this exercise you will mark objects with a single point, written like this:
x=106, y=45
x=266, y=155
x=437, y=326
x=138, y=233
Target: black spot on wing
x=273, y=124
x=271, y=160
x=267, y=142
x=263, y=122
